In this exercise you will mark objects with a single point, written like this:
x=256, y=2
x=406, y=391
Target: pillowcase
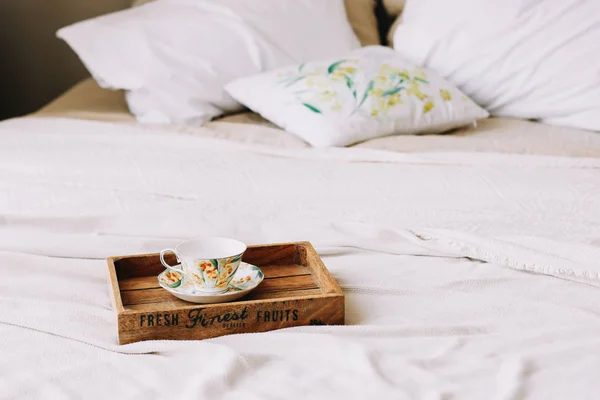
x=392, y=31
x=372, y=92
x=174, y=56
x=394, y=8
x=519, y=58
x=361, y=15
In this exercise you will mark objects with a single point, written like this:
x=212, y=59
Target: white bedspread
x=468, y=276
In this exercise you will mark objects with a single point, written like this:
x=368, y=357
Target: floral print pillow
x=373, y=92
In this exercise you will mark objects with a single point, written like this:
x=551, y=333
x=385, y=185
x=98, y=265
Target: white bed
x=485, y=241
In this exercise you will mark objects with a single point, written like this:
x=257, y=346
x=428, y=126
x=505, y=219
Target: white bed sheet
x=487, y=282
x=88, y=101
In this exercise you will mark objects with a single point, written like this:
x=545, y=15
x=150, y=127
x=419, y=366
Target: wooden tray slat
x=297, y=290
x=285, y=283
x=156, y=294
x=173, y=303
x=276, y=271
x=137, y=283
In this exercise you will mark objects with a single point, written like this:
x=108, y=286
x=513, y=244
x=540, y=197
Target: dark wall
x=36, y=66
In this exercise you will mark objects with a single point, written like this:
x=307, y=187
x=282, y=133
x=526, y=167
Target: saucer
x=245, y=279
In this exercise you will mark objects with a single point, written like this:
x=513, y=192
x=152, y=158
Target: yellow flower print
x=197, y=277
x=394, y=99
x=381, y=79
x=209, y=270
x=204, y=265
x=427, y=107
x=172, y=277
x=226, y=267
x=338, y=75
x=414, y=90
x=221, y=284
x=324, y=87
x=226, y=270
x=380, y=106
x=404, y=75
x=242, y=280
x=376, y=92
x=445, y=94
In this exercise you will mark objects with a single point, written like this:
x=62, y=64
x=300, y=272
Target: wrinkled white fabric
x=430, y=250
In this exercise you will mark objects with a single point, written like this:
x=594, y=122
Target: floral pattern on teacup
x=171, y=278
x=215, y=273
x=245, y=278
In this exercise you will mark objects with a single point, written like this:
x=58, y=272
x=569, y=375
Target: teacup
x=209, y=263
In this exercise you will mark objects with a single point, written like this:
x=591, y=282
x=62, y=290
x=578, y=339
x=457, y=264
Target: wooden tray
x=297, y=290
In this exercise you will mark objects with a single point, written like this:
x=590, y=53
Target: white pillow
x=361, y=15
x=533, y=59
x=176, y=55
x=371, y=92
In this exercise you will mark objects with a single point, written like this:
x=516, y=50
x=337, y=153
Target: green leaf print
x=296, y=79
x=301, y=67
x=176, y=284
x=367, y=91
x=348, y=81
x=235, y=259
x=392, y=91
x=350, y=85
x=312, y=108
x=421, y=80
x=333, y=66
x=215, y=263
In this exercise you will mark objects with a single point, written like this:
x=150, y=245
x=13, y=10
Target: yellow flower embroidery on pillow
x=344, y=87
x=427, y=107
x=392, y=86
x=445, y=94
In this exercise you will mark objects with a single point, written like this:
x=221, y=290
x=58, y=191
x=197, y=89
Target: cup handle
x=171, y=267
x=162, y=258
